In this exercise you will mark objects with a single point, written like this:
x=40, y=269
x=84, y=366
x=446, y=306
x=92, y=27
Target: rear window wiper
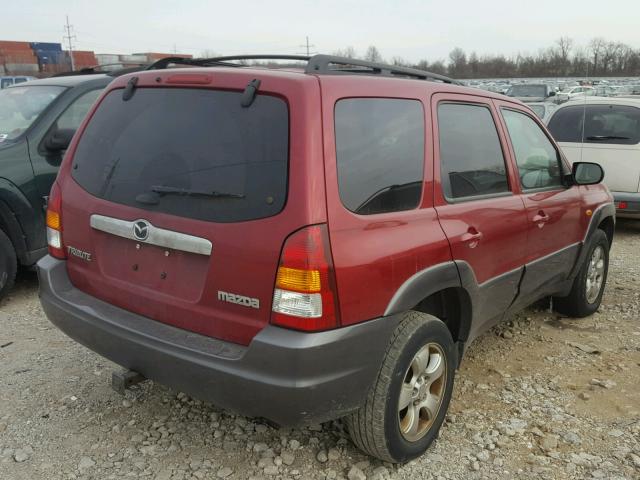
x=157, y=191
x=607, y=137
x=165, y=190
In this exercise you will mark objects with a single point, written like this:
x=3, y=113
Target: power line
x=308, y=47
x=69, y=37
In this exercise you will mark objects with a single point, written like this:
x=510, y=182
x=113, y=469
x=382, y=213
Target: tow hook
x=125, y=379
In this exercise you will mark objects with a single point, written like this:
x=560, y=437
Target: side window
x=6, y=82
x=616, y=124
x=471, y=158
x=380, y=154
x=566, y=124
x=75, y=113
x=537, y=158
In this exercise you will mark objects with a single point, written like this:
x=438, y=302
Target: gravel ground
x=538, y=397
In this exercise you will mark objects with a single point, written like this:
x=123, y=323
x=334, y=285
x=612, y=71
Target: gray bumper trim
x=291, y=378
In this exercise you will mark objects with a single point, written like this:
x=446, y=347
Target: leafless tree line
x=563, y=59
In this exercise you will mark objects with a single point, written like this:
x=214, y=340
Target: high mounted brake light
x=305, y=294
x=54, y=223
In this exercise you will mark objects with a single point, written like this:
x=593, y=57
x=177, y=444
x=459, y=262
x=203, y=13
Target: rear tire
x=419, y=367
x=8, y=265
x=588, y=286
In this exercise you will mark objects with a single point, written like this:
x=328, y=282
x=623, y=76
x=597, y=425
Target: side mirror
x=586, y=173
x=59, y=140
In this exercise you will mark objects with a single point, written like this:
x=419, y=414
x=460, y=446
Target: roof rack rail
x=319, y=64
x=96, y=69
x=163, y=63
x=322, y=64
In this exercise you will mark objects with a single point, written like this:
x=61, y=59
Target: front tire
x=407, y=404
x=8, y=265
x=588, y=286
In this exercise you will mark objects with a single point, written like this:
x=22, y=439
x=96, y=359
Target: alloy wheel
x=422, y=392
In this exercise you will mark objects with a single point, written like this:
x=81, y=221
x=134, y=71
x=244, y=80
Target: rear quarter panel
x=375, y=254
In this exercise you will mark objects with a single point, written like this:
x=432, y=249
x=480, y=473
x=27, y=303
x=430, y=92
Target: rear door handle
x=472, y=237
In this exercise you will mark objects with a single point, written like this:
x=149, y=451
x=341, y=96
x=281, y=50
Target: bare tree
x=458, y=63
x=399, y=61
x=373, y=54
x=565, y=44
x=596, y=47
x=563, y=58
x=209, y=53
x=348, y=52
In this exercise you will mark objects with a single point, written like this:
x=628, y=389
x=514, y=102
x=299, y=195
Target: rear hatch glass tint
x=194, y=153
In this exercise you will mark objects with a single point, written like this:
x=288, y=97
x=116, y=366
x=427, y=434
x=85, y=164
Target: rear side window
x=471, y=158
x=380, y=154
x=537, y=158
x=605, y=124
x=192, y=153
x=566, y=124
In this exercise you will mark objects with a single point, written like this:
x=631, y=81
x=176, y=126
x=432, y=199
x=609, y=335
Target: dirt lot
x=538, y=397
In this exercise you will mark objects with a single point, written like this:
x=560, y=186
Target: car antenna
x=584, y=111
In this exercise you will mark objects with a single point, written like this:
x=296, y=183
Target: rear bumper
x=632, y=200
x=288, y=377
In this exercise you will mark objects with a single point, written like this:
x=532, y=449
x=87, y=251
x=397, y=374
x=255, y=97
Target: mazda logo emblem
x=141, y=230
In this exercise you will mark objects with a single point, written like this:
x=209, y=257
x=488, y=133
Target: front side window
x=380, y=154
x=21, y=106
x=471, y=159
x=537, y=158
x=75, y=113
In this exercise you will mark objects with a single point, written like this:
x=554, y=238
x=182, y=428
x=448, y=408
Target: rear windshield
x=603, y=124
x=528, y=91
x=188, y=152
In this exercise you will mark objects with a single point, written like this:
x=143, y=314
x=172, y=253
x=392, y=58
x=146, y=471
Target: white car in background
x=574, y=92
x=604, y=131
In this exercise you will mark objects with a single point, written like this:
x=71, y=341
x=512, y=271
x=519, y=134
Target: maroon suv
x=304, y=245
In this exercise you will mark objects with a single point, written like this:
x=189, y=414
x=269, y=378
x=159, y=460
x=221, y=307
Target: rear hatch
x=181, y=196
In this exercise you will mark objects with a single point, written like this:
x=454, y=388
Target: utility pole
x=69, y=37
x=307, y=47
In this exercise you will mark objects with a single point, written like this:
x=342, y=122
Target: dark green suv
x=37, y=121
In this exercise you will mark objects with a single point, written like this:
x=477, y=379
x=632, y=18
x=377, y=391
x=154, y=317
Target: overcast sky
x=411, y=29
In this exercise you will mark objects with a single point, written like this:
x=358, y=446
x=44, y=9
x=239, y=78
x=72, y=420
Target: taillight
x=54, y=223
x=305, y=295
x=622, y=205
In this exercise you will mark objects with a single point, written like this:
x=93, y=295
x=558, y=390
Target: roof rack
x=317, y=64
x=330, y=64
x=96, y=69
